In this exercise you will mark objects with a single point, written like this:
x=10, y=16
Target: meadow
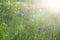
x=21, y=21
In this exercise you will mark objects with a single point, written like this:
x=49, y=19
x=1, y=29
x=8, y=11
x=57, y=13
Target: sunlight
x=51, y=5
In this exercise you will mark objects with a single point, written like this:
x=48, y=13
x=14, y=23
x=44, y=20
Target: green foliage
x=19, y=22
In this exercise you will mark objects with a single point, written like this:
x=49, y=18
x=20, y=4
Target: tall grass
x=19, y=22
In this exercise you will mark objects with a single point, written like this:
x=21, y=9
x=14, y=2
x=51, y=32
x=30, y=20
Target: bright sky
x=51, y=5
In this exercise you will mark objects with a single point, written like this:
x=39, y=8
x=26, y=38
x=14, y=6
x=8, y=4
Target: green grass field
x=19, y=20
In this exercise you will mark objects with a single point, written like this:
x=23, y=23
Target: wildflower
x=21, y=28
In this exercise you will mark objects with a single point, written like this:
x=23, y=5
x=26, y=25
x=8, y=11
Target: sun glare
x=51, y=5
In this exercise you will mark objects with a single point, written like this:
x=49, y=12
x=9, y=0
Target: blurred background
x=29, y=20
